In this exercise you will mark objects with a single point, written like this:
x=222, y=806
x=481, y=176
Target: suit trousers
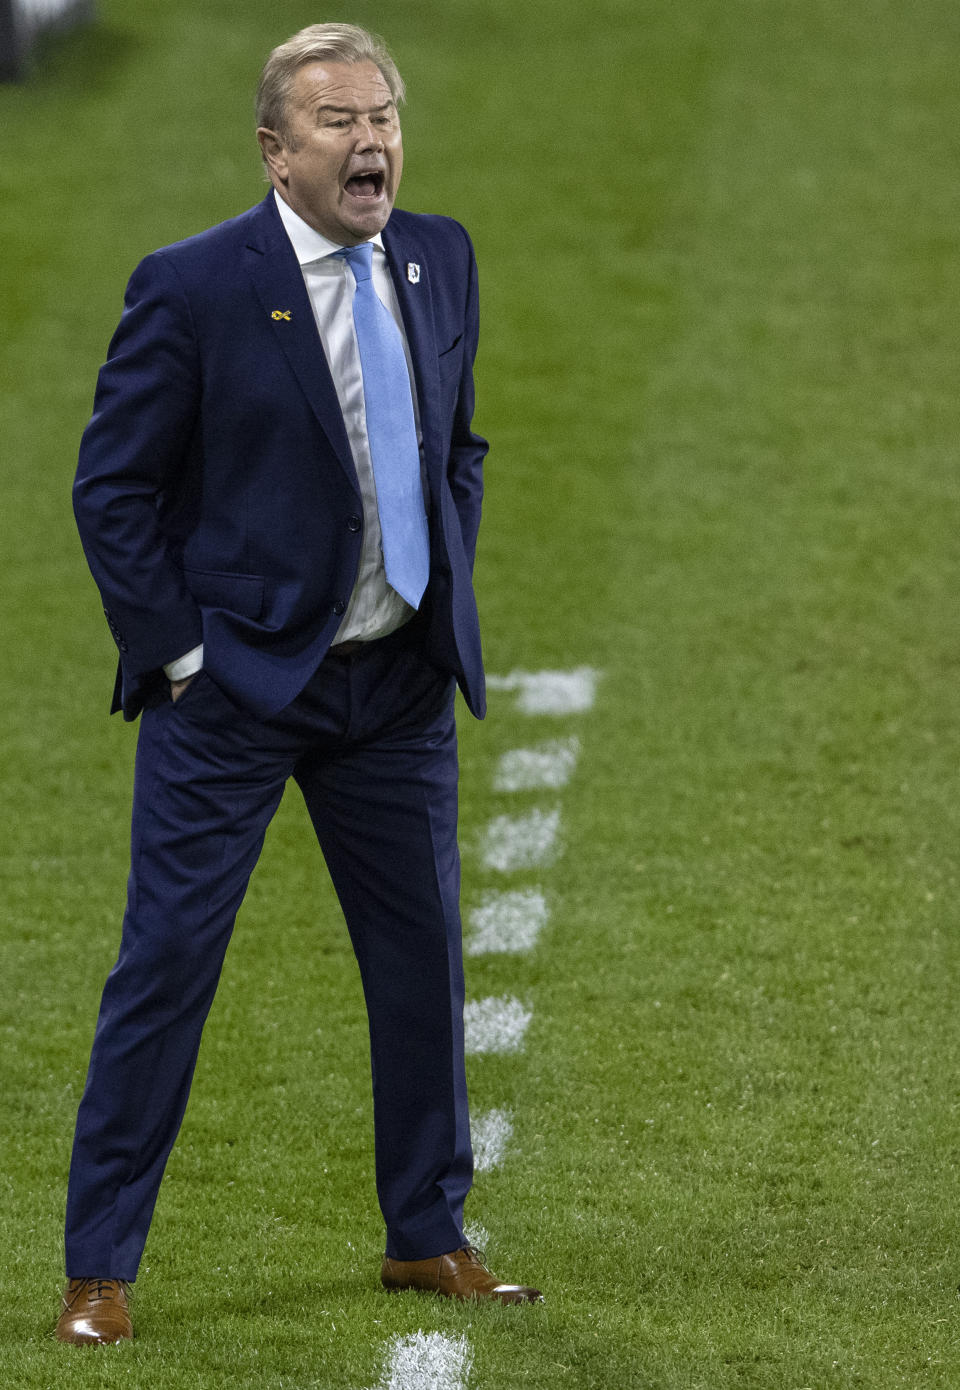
x=371, y=741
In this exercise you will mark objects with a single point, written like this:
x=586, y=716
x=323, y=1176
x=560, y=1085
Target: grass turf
x=717, y=247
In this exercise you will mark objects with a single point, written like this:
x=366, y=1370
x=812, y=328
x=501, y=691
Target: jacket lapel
x=416, y=306
x=278, y=281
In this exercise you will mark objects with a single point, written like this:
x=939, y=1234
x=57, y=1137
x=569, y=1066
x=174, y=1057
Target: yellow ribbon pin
x=281, y=314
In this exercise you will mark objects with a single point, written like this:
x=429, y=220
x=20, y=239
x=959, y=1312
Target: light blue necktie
x=392, y=433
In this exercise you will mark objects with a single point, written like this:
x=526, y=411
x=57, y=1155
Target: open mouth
x=366, y=185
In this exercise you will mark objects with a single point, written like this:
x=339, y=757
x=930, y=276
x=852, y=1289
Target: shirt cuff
x=184, y=666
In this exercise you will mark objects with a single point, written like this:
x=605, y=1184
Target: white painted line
x=550, y=692
x=521, y=842
x=476, y=1235
x=427, y=1361
x=507, y=922
x=495, y=1024
x=549, y=764
x=490, y=1133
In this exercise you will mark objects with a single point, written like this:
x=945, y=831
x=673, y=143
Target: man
x=278, y=496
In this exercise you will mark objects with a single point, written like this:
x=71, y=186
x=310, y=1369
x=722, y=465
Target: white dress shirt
x=374, y=609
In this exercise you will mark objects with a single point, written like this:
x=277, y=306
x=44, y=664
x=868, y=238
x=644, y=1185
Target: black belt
x=343, y=650
x=354, y=646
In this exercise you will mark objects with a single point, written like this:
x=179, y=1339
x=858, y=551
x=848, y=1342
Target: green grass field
x=719, y=367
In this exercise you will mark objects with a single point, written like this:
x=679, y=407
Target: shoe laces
x=99, y=1289
x=96, y=1290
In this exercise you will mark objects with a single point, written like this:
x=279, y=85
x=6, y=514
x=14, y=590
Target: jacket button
x=353, y=523
x=339, y=607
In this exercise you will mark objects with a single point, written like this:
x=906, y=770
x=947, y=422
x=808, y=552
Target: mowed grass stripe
x=719, y=370
x=774, y=854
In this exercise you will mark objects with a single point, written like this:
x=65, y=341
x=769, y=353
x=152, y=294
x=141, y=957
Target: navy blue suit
x=217, y=502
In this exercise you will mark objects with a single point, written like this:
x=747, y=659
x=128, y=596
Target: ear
x=274, y=152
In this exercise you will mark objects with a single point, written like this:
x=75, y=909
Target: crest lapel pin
x=413, y=272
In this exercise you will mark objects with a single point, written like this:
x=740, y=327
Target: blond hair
x=338, y=43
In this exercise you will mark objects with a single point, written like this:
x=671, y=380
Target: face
x=339, y=166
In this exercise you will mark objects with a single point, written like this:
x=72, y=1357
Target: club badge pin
x=279, y=314
x=413, y=272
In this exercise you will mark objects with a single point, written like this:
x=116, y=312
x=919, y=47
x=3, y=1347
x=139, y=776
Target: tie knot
x=359, y=259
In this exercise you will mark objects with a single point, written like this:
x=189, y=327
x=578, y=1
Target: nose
x=368, y=137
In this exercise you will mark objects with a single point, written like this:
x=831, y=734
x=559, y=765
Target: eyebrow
x=350, y=110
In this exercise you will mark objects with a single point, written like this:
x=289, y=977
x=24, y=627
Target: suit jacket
x=216, y=494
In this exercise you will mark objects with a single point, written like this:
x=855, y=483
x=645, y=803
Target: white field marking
x=507, y=922
x=551, y=692
x=521, y=842
x=549, y=764
x=38, y=11
x=427, y=1361
x=490, y=1134
x=495, y=1024
x=476, y=1235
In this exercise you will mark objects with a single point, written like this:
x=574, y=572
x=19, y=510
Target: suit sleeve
x=132, y=452
x=467, y=449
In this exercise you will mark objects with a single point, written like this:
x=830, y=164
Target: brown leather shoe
x=94, y=1311
x=461, y=1274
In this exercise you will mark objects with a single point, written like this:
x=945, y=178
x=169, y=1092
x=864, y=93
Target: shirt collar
x=308, y=244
